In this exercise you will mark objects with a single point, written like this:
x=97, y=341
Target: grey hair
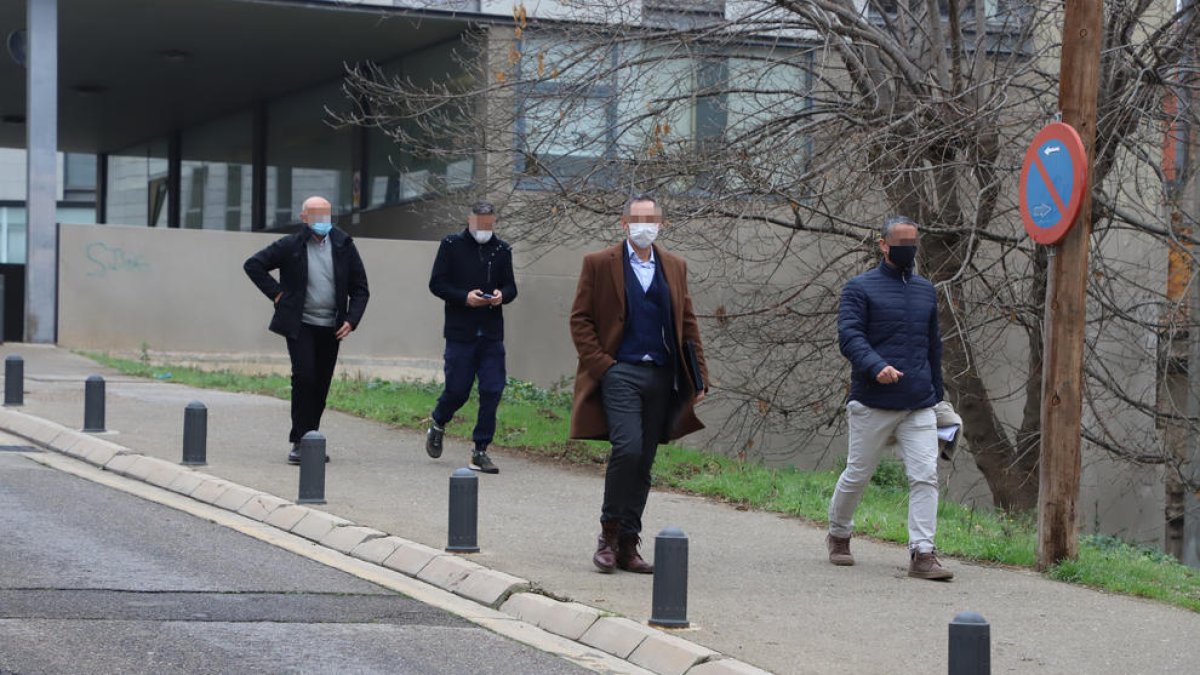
x=640, y=197
x=893, y=221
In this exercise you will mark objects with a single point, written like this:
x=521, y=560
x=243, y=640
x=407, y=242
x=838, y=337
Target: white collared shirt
x=643, y=269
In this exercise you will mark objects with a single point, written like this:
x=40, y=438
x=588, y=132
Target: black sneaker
x=481, y=462
x=294, y=455
x=433, y=440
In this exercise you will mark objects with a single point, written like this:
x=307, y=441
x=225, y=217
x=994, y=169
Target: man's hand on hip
x=344, y=330
x=889, y=375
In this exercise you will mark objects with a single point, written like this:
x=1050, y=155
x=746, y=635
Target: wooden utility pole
x=1066, y=296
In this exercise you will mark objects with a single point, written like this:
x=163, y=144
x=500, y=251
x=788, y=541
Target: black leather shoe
x=433, y=440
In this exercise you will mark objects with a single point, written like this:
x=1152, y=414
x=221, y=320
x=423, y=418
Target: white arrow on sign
x=1041, y=210
x=1051, y=150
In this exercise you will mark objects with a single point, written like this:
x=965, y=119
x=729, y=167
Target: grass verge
x=535, y=421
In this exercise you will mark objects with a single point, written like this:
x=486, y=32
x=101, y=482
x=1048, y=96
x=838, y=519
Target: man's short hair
x=893, y=221
x=640, y=197
x=483, y=209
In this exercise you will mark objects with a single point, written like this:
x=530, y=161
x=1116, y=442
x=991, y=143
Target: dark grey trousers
x=637, y=401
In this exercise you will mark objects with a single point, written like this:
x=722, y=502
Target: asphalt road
x=94, y=580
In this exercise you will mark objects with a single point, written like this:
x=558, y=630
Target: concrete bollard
x=93, y=405
x=669, y=608
x=464, y=512
x=312, y=469
x=14, y=381
x=970, y=645
x=195, y=434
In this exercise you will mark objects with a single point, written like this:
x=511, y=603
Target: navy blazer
x=289, y=255
x=890, y=318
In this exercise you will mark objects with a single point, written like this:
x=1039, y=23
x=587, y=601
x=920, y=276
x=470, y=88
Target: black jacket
x=289, y=256
x=463, y=265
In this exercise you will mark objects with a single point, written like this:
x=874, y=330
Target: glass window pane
x=307, y=155
x=215, y=174
x=79, y=172
x=12, y=235
x=562, y=126
x=428, y=159
x=137, y=185
x=656, y=108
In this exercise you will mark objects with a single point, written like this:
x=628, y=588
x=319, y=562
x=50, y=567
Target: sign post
x=1056, y=207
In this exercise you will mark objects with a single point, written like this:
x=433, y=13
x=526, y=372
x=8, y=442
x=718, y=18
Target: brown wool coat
x=598, y=325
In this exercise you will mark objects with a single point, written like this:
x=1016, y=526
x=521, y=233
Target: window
x=439, y=164
x=307, y=155
x=682, y=14
x=12, y=234
x=13, y=228
x=566, y=113
x=137, y=185
x=665, y=103
x=999, y=13
x=79, y=177
x=215, y=174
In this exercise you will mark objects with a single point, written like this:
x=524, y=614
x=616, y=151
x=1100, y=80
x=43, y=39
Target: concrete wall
x=184, y=291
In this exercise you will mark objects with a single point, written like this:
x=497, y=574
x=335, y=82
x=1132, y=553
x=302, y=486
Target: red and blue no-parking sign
x=1053, y=182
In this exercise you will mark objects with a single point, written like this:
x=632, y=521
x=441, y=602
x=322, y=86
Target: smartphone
x=486, y=296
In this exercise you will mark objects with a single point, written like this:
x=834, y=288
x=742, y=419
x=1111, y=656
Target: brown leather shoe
x=927, y=566
x=628, y=557
x=839, y=550
x=606, y=548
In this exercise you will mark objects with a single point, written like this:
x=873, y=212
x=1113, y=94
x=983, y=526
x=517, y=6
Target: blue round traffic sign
x=1053, y=183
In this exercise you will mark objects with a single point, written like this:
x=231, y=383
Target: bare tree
x=781, y=132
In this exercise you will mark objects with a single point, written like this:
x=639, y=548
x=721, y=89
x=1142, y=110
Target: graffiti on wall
x=103, y=260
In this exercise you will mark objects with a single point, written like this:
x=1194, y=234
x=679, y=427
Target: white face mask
x=482, y=236
x=643, y=234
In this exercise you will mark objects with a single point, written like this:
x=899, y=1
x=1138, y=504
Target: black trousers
x=314, y=354
x=637, y=401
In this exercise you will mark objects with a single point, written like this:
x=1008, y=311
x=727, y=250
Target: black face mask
x=902, y=256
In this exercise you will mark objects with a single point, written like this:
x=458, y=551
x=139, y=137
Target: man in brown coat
x=639, y=350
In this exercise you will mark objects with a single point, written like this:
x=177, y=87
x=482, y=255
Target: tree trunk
x=1010, y=469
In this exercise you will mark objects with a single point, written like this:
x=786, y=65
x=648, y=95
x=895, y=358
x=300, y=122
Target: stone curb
x=637, y=643
x=617, y=635
x=568, y=619
x=670, y=655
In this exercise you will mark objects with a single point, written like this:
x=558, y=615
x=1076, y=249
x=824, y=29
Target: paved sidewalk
x=761, y=590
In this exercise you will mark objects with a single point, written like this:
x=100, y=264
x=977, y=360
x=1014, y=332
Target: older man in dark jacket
x=319, y=299
x=888, y=330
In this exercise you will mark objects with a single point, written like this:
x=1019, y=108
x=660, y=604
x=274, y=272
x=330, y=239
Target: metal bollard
x=195, y=434
x=464, y=512
x=14, y=380
x=970, y=645
x=669, y=608
x=93, y=405
x=312, y=469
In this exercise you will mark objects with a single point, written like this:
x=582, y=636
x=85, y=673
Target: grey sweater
x=319, y=307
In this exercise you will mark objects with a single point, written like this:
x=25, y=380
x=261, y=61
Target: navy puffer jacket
x=889, y=318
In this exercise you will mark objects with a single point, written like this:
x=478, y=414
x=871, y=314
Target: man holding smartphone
x=473, y=275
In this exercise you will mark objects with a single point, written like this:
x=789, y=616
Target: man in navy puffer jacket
x=888, y=330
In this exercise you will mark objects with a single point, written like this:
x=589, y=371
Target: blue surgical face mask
x=320, y=228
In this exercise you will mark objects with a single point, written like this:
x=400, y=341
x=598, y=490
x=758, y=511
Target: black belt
x=645, y=364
